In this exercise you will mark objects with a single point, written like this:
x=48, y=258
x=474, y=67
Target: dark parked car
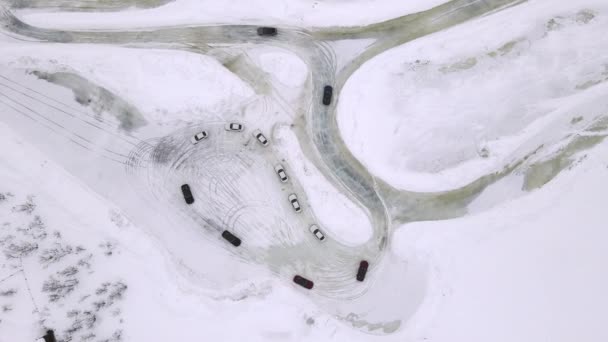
x=49, y=336
x=187, y=194
x=231, y=238
x=267, y=31
x=327, y=92
x=305, y=283
x=363, y=265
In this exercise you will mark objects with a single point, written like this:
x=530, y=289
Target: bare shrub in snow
x=118, y=289
x=54, y=254
x=82, y=322
x=58, y=289
x=108, y=248
x=103, y=288
x=36, y=229
x=99, y=305
x=6, y=239
x=69, y=271
x=28, y=207
x=87, y=337
x=8, y=293
x=82, y=319
x=4, y=196
x=114, y=292
x=116, y=337
x=20, y=250
x=119, y=220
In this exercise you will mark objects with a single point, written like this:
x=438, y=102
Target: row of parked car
x=313, y=228
x=363, y=265
x=231, y=127
x=293, y=200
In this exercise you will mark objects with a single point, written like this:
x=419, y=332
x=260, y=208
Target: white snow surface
x=283, y=66
x=443, y=110
x=304, y=13
x=431, y=115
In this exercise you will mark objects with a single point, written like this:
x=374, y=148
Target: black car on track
x=187, y=194
x=235, y=241
x=267, y=31
x=305, y=283
x=327, y=93
x=362, y=271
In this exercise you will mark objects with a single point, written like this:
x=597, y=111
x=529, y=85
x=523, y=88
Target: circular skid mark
x=164, y=151
x=138, y=157
x=235, y=188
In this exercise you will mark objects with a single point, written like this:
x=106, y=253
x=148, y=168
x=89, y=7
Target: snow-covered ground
x=443, y=110
x=531, y=269
x=97, y=243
